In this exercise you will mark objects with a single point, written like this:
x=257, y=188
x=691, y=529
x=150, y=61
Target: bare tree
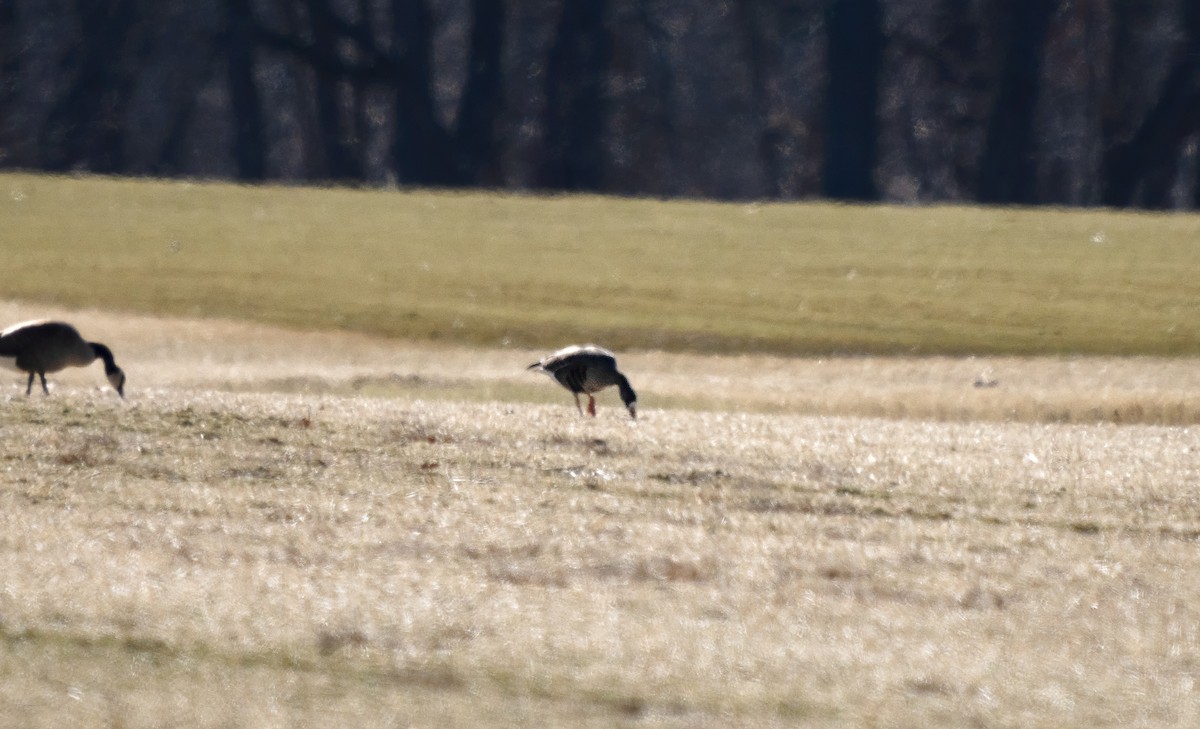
x=86, y=126
x=855, y=51
x=1146, y=161
x=1001, y=101
x=577, y=106
x=10, y=69
x=249, y=138
x=1007, y=172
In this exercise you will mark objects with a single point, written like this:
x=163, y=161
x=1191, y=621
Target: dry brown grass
x=174, y=353
x=250, y=542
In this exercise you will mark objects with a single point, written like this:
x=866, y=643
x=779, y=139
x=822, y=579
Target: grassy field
x=291, y=529
x=294, y=522
x=636, y=274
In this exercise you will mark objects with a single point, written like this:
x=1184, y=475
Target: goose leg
x=577, y=405
x=591, y=406
x=44, y=388
x=29, y=385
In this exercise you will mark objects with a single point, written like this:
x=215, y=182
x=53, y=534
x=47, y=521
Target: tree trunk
x=86, y=126
x=422, y=150
x=855, y=51
x=576, y=98
x=249, y=139
x=10, y=69
x=483, y=95
x=1009, y=165
x=341, y=162
x=757, y=49
x=1148, y=160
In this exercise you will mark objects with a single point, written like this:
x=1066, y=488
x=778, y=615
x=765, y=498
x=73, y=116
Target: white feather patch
x=21, y=325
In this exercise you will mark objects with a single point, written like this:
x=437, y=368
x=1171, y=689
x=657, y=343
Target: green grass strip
x=491, y=269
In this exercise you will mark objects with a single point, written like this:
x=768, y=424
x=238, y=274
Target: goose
x=38, y=347
x=587, y=369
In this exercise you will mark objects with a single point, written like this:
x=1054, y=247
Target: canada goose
x=587, y=369
x=38, y=347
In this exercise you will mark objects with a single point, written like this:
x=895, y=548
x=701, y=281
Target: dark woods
x=1077, y=102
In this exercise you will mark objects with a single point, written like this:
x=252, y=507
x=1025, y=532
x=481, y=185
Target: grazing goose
x=587, y=369
x=38, y=347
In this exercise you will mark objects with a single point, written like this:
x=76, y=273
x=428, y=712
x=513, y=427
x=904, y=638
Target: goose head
x=116, y=378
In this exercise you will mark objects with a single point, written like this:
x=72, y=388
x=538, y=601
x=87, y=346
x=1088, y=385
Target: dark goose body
x=586, y=369
x=38, y=347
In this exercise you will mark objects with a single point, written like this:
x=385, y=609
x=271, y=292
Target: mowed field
x=525, y=271
x=290, y=526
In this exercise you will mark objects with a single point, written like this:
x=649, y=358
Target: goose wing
x=45, y=346
x=575, y=355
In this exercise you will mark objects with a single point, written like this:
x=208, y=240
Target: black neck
x=104, y=353
x=627, y=393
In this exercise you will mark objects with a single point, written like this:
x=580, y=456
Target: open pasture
x=335, y=496
x=491, y=270
x=289, y=529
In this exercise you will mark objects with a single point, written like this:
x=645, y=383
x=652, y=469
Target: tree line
x=1066, y=102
